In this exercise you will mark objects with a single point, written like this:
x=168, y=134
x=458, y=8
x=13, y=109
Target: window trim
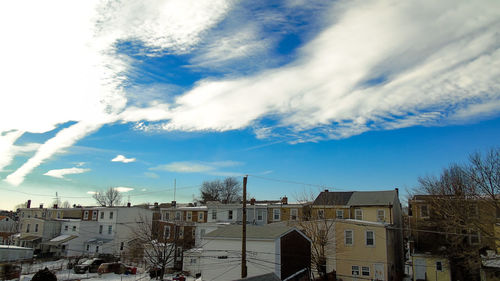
x=363, y=270
x=111, y=215
x=201, y=216
x=102, y=215
x=345, y=237
x=378, y=216
x=292, y=211
x=426, y=210
x=85, y=215
x=337, y=214
x=214, y=214
x=356, y=215
x=354, y=270
x=230, y=215
x=261, y=216
x=440, y=265
x=165, y=232
x=366, y=238
x=100, y=229
x=189, y=216
x=321, y=213
x=110, y=229
x=276, y=211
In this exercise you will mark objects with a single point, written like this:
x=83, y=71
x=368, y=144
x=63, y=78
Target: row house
x=37, y=226
x=177, y=227
x=8, y=227
x=110, y=229
x=368, y=238
x=437, y=223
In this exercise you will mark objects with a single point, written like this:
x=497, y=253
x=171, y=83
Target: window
x=88, y=247
x=36, y=227
x=178, y=216
x=230, y=214
x=348, y=237
x=424, y=212
x=66, y=228
x=94, y=215
x=181, y=232
x=97, y=249
x=365, y=270
x=102, y=215
x=22, y=215
x=474, y=237
x=370, y=238
x=166, y=216
x=193, y=261
x=110, y=215
x=100, y=229
x=189, y=216
x=410, y=210
x=339, y=214
x=439, y=266
x=380, y=215
x=473, y=212
x=355, y=270
x=110, y=229
x=201, y=217
x=358, y=214
x=193, y=232
x=294, y=214
x=28, y=228
x=214, y=214
x=36, y=215
x=260, y=215
x=74, y=228
x=276, y=214
x=58, y=215
x=121, y=246
x=166, y=232
x=86, y=215
x=321, y=214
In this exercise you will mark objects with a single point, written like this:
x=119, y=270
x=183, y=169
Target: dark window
x=439, y=266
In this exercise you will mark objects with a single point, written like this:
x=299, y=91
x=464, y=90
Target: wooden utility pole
x=244, y=234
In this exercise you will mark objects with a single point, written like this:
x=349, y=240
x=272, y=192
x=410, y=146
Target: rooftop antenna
x=175, y=183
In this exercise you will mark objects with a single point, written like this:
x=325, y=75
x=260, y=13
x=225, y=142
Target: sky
x=299, y=95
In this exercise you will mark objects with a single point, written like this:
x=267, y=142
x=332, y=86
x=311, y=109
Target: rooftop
x=270, y=232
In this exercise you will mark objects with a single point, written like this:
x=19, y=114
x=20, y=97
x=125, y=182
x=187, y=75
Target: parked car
x=115, y=267
x=89, y=265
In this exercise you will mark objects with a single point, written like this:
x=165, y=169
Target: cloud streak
x=60, y=173
x=195, y=166
x=364, y=72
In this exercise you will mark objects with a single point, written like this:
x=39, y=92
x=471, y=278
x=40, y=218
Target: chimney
x=128, y=204
x=284, y=200
x=174, y=203
x=397, y=191
x=74, y=205
x=55, y=206
x=29, y=204
x=252, y=201
x=326, y=190
x=41, y=206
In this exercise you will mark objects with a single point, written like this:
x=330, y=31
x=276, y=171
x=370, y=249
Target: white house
x=111, y=228
x=277, y=249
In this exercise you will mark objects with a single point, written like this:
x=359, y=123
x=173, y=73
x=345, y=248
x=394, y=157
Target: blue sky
x=302, y=95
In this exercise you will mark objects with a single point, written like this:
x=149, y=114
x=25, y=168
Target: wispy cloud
x=123, y=189
x=123, y=159
x=60, y=173
x=151, y=175
x=196, y=166
x=361, y=74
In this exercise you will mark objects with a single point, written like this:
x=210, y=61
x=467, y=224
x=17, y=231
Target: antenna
x=174, y=187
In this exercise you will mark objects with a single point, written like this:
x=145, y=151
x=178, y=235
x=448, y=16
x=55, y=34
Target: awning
x=30, y=238
x=61, y=239
x=98, y=241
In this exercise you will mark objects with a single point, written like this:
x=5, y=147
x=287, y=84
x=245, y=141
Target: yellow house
x=430, y=268
x=365, y=251
x=368, y=233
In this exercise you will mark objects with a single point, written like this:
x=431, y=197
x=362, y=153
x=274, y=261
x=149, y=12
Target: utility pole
x=244, y=234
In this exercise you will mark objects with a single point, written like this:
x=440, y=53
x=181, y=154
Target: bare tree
x=21, y=206
x=158, y=251
x=109, y=198
x=66, y=204
x=228, y=190
x=231, y=190
x=460, y=213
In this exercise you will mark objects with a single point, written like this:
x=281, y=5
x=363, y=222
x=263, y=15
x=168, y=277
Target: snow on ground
x=68, y=274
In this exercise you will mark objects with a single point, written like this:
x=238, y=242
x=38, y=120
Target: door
x=379, y=271
x=420, y=269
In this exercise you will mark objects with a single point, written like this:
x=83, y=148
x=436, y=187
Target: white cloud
x=123, y=159
x=74, y=73
x=196, y=167
x=143, y=189
x=377, y=66
x=123, y=189
x=60, y=173
x=151, y=175
x=92, y=192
